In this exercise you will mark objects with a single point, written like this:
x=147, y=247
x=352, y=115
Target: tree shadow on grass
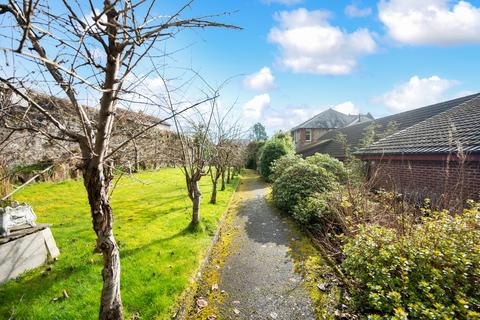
x=27, y=288
x=158, y=242
x=148, y=203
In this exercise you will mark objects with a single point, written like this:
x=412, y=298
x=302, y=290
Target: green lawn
x=159, y=254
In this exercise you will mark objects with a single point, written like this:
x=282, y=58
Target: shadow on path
x=257, y=279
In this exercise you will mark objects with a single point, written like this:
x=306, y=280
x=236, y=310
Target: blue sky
x=397, y=63
x=295, y=58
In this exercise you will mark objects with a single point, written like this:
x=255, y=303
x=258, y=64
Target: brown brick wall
x=316, y=135
x=437, y=180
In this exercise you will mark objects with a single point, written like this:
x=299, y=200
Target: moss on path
x=263, y=266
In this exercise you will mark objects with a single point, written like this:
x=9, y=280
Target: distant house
x=438, y=157
x=329, y=143
x=312, y=130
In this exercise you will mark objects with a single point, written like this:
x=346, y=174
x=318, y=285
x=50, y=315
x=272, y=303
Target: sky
x=293, y=59
x=296, y=58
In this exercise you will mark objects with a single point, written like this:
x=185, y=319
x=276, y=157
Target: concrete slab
x=24, y=250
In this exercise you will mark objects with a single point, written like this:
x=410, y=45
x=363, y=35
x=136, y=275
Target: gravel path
x=258, y=277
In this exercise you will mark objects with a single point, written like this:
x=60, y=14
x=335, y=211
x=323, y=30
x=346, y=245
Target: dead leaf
x=322, y=286
x=202, y=303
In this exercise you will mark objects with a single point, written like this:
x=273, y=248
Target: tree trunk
x=223, y=180
x=228, y=175
x=97, y=186
x=136, y=159
x=213, y=199
x=197, y=194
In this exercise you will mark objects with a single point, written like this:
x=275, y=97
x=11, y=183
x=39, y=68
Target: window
x=308, y=135
x=295, y=136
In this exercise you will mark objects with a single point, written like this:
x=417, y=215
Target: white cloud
x=431, y=22
x=417, y=92
x=287, y=117
x=253, y=108
x=354, y=11
x=310, y=44
x=285, y=2
x=347, y=108
x=90, y=22
x=262, y=80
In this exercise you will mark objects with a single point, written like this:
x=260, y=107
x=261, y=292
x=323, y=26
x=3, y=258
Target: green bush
x=314, y=211
x=432, y=271
x=280, y=165
x=271, y=151
x=286, y=138
x=330, y=164
x=299, y=182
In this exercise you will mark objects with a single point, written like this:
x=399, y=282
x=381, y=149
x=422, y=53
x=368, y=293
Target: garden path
x=257, y=279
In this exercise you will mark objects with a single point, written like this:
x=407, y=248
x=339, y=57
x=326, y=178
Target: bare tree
x=215, y=169
x=195, y=152
x=68, y=52
x=223, y=133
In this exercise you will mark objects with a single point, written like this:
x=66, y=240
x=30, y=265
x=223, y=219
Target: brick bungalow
x=438, y=157
x=329, y=144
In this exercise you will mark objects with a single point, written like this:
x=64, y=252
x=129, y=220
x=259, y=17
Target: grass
x=159, y=253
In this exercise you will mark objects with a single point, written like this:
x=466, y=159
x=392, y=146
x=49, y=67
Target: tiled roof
x=403, y=120
x=331, y=119
x=452, y=131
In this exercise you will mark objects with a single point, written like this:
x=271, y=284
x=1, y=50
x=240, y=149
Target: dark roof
x=354, y=133
x=332, y=119
x=452, y=131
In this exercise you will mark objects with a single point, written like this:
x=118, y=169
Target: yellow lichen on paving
x=220, y=251
x=308, y=262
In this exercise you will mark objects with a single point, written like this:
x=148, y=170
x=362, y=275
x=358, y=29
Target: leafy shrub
x=299, y=182
x=331, y=164
x=286, y=138
x=432, y=271
x=314, y=211
x=271, y=151
x=280, y=165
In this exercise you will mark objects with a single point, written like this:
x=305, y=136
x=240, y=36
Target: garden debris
x=343, y=315
x=322, y=286
x=201, y=303
x=236, y=311
x=62, y=297
x=273, y=315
